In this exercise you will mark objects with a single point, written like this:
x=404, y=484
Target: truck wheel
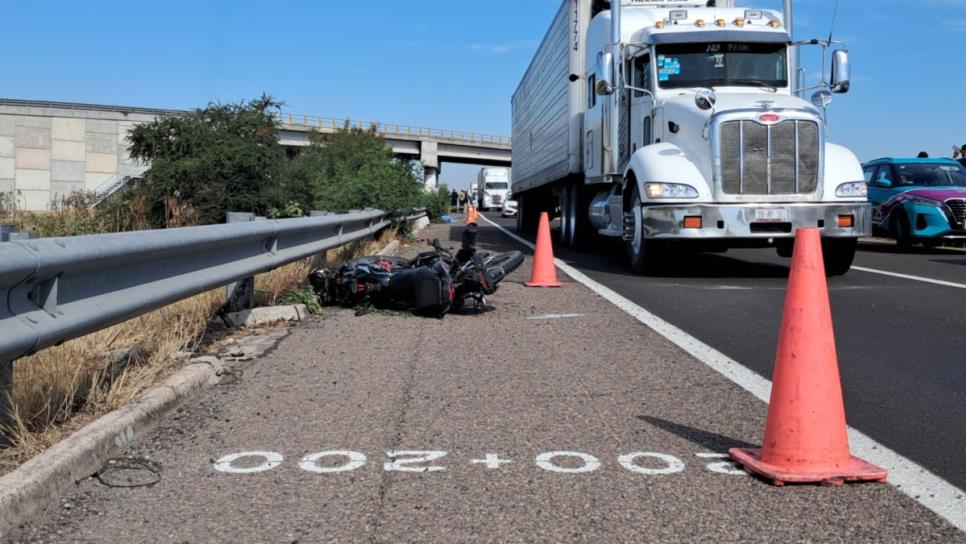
x=566, y=215
x=582, y=233
x=838, y=254
x=640, y=251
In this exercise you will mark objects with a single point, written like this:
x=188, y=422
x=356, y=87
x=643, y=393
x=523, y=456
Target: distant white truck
x=494, y=185
x=679, y=124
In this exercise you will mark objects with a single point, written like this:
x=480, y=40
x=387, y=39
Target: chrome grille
x=778, y=159
x=958, y=207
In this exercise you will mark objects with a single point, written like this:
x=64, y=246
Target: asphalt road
x=900, y=341
x=556, y=417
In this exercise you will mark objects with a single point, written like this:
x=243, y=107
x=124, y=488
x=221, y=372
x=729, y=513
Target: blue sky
x=449, y=64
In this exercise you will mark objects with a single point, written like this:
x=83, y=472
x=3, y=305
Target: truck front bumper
x=765, y=221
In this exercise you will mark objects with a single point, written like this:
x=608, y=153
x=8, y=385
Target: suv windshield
x=931, y=174
x=722, y=63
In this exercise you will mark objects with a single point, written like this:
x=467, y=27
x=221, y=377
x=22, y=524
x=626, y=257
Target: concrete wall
x=46, y=153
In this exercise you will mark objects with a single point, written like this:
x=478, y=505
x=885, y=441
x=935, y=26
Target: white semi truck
x=494, y=185
x=680, y=125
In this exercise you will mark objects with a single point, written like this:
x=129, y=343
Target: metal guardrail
x=56, y=289
x=392, y=129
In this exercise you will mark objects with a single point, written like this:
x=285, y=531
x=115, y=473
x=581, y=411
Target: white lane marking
x=928, y=489
x=310, y=462
x=545, y=461
x=910, y=277
x=673, y=463
x=554, y=316
x=491, y=461
x=411, y=457
x=271, y=460
x=722, y=467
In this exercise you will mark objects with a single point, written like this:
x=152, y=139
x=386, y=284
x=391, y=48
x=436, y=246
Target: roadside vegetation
x=225, y=157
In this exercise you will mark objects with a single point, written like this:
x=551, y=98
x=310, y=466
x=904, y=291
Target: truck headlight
x=855, y=189
x=669, y=190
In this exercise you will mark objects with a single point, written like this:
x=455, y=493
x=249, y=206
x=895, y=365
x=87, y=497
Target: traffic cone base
x=855, y=470
x=806, y=438
x=544, y=271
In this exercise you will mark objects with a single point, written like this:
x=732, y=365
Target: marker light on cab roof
x=720, y=22
x=775, y=23
x=739, y=22
x=699, y=23
x=659, y=24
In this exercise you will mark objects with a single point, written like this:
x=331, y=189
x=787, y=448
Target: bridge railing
x=390, y=129
x=56, y=289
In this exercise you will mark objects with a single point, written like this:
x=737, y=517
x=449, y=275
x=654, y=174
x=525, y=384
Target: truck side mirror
x=604, y=74
x=841, y=71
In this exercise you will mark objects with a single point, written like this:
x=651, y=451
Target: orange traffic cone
x=471, y=215
x=544, y=272
x=805, y=434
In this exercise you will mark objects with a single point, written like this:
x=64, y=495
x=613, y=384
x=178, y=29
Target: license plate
x=771, y=215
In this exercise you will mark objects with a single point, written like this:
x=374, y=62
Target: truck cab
x=694, y=134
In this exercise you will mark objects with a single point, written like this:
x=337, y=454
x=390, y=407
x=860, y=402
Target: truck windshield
x=497, y=185
x=721, y=64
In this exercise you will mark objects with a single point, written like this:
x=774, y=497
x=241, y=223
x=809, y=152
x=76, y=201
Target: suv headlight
x=669, y=190
x=855, y=189
x=925, y=202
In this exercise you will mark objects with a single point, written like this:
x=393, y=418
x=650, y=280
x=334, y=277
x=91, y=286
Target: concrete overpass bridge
x=430, y=146
x=50, y=149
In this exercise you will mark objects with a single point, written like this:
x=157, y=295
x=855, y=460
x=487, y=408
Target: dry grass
x=60, y=389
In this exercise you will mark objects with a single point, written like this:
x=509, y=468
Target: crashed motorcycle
x=433, y=283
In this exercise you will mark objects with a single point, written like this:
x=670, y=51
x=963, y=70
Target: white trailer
x=494, y=185
x=680, y=124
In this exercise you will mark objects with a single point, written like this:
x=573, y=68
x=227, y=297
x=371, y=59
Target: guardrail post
x=6, y=402
x=5, y=231
x=239, y=295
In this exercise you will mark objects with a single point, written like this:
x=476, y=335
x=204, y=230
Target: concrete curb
x=34, y=484
x=268, y=314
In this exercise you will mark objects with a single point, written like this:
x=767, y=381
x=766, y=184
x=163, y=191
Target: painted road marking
x=310, y=462
x=492, y=461
x=561, y=461
x=555, y=316
x=270, y=460
x=629, y=461
x=909, y=277
x=923, y=486
x=412, y=457
x=589, y=463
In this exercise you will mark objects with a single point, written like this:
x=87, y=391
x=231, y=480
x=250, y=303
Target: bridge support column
x=430, y=178
x=429, y=158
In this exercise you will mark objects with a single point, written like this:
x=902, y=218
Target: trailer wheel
x=528, y=212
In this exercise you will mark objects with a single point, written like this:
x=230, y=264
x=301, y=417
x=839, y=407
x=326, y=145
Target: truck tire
x=582, y=233
x=838, y=254
x=643, y=254
x=528, y=212
x=566, y=214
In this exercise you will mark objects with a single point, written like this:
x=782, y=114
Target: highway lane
x=900, y=341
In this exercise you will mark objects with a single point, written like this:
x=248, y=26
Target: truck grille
x=958, y=207
x=778, y=159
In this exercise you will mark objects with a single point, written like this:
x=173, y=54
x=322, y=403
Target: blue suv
x=917, y=200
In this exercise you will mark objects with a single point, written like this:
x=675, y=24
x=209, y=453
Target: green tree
x=352, y=169
x=225, y=157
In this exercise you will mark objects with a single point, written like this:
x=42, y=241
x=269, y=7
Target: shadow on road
x=705, y=439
